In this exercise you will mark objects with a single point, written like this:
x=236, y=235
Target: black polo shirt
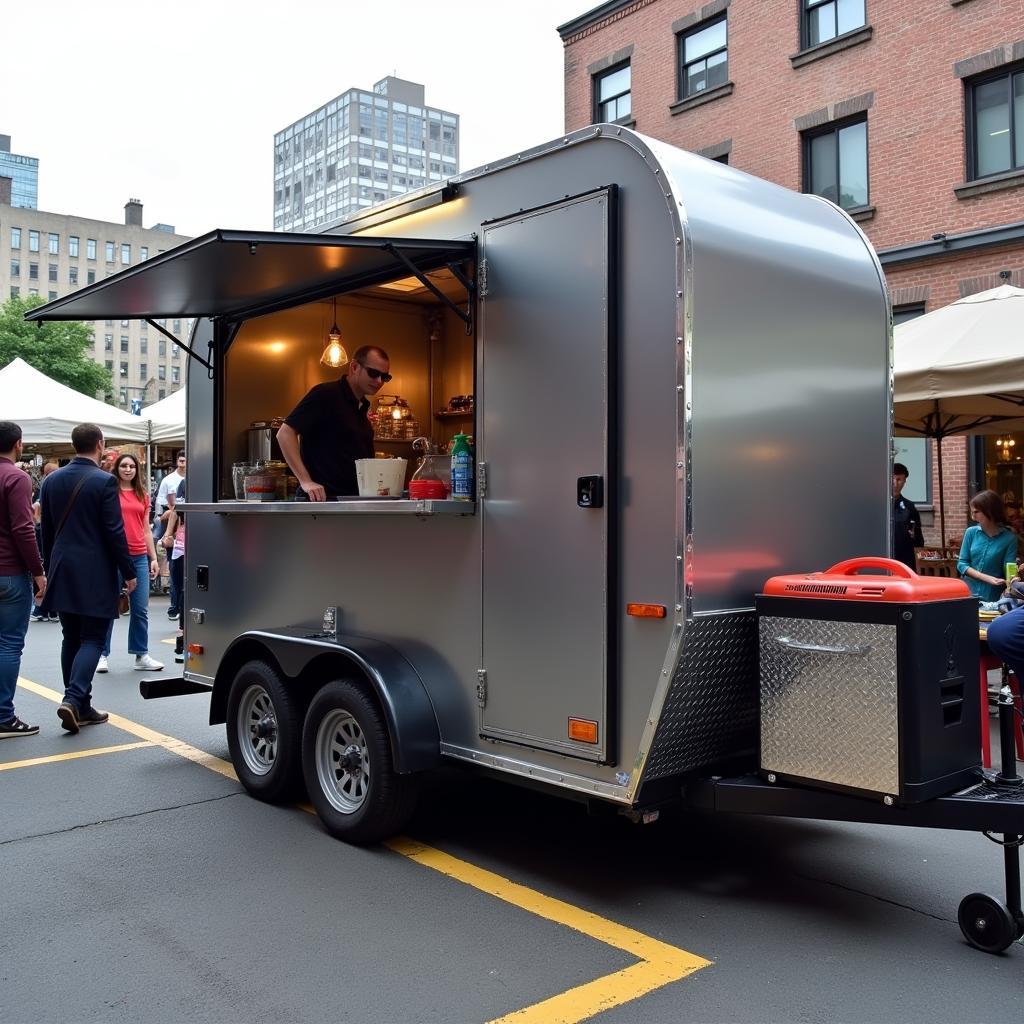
x=334, y=432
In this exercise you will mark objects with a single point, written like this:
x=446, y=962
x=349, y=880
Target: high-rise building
x=358, y=150
x=52, y=254
x=22, y=173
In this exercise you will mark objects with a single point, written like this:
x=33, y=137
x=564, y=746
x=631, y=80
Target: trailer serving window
x=273, y=297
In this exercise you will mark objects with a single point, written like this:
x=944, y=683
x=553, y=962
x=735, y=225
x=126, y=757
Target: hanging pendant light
x=334, y=355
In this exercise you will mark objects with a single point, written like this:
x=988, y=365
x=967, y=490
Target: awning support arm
x=464, y=315
x=192, y=355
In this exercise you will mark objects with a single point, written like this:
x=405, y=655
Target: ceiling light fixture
x=334, y=355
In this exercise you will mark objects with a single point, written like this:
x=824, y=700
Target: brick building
x=908, y=113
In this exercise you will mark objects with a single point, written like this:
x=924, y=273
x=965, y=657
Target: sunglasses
x=377, y=374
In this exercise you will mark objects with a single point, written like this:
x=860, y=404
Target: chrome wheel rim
x=342, y=761
x=257, y=730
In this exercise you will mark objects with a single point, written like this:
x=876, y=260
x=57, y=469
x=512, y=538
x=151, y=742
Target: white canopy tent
x=167, y=419
x=47, y=411
x=960, y=370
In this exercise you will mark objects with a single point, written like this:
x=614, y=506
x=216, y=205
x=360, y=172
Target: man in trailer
x=328, y=430
x=906, y=520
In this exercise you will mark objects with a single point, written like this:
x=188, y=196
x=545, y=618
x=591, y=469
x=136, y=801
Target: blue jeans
x=79, y=655
x=1006, y=640
x=15, y=608
x=138, y=622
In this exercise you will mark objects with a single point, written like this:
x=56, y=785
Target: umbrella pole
x=942, y=496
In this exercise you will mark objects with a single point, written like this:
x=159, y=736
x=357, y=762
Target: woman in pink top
x=135, y=512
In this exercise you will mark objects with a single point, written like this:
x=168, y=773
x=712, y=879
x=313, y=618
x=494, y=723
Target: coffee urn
x=263, y=446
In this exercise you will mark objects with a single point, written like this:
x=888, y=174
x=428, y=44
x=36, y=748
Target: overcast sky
x=176, y=104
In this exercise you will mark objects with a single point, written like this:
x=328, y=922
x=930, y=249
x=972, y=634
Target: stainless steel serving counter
x=345, y=507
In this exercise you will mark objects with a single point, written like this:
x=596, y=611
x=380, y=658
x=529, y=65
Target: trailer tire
x=264, y=729
x=986, y=922
x=349, y=768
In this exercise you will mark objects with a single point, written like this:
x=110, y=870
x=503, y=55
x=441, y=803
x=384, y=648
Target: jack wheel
x=986, y=922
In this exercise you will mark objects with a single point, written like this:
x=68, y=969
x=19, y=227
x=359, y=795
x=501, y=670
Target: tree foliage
x=60, y=349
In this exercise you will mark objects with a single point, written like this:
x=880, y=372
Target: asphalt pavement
x=141, y=884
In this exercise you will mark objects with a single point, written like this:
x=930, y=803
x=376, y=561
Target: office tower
x=19, y=177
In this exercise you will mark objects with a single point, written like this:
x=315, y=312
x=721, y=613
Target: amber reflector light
x=646, y=611
x=582, y=729
x=195, y=648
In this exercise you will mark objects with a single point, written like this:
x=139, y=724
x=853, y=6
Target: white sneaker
x=144, y=663
x=101, y=665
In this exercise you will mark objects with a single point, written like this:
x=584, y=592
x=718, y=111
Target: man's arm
x=23, y=530
x=288, y=439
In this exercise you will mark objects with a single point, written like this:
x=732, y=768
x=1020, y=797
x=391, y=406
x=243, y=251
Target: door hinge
x=481, y=480
x=481, y=279
x=481, y=686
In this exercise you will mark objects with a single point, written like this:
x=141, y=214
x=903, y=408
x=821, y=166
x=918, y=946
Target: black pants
x=84, y=637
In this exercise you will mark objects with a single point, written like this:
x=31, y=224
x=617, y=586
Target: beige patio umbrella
x=960, y=370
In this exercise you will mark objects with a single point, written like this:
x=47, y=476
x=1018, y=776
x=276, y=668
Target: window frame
x=681, y=64
x=807, y=6
x=834, y=127
x=1009, y=72
x=596, y=102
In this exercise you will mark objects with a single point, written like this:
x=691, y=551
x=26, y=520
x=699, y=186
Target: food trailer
x=682, y=387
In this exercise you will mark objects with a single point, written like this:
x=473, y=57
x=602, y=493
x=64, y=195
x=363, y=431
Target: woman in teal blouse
x=987, y=547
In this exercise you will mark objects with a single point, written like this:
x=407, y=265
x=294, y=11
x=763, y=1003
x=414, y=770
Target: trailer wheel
x=264, y=730
x=349, y=771
x=986, y=922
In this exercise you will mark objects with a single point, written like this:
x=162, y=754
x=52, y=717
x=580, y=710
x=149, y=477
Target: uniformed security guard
x=906, y=520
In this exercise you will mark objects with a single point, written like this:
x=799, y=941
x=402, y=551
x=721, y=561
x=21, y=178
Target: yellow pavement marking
x=94, y=752
x=215, y=764
x=659, y=963
x=168, y=640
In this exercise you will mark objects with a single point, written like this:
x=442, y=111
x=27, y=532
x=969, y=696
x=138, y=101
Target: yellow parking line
x=659, y=963
x=215, y=764
x=94, y=752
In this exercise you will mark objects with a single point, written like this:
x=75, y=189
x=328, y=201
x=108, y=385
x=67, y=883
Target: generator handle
x=853, y=565
x=857, y=650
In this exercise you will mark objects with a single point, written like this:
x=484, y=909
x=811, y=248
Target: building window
x=908, y=311
x=108, y=343
x=90, y=248
x=15, y=291
x=176, y=328
x=15, y=268
x=110, y=252
x=54, y=243
x=90, y=277
x=33, y=271
x=826, y=19
x=122, y=394
x=33, y=241
x=126, y=254
x=143, y=371
x=161, y=372
x=15, y=238
x=703, y=59
x=175, y=371
x=52, y=268
x=51, y=295
x=162, y=393
x=836, y=163
x=108, y=363
x=124, y=342
x=143, y=346
x=143, y=252
x=72, y=245
x=612, y=94
x=161, y=347
x=33, y=291
x=996, y=114
x=73, y=275
x=124, y=367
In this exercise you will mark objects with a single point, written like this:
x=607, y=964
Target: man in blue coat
x=84, y=546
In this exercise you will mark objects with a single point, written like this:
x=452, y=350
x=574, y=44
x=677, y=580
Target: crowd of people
x=70, y=546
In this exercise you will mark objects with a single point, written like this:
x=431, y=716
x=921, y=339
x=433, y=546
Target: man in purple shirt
x=20, y=569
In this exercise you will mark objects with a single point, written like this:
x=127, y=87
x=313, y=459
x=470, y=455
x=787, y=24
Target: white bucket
x=381, y=477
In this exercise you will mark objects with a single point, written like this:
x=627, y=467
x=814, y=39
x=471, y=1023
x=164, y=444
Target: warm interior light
x=396, y=413
x=334, y=353
x=406, y=284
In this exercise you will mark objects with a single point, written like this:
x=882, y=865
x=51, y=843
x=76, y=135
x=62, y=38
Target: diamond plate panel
x=710, y=710
x=830, y=715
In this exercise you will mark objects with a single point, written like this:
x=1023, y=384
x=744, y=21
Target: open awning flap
x=239, y=274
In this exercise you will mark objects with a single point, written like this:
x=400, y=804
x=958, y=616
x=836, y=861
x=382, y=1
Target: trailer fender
x=309, y=662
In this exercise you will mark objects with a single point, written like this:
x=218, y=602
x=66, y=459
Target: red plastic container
x=846, y=582
x=429, y=488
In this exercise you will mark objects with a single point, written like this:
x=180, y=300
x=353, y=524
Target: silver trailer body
x=714, y=347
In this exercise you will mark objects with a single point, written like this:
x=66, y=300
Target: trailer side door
x=547, y=421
